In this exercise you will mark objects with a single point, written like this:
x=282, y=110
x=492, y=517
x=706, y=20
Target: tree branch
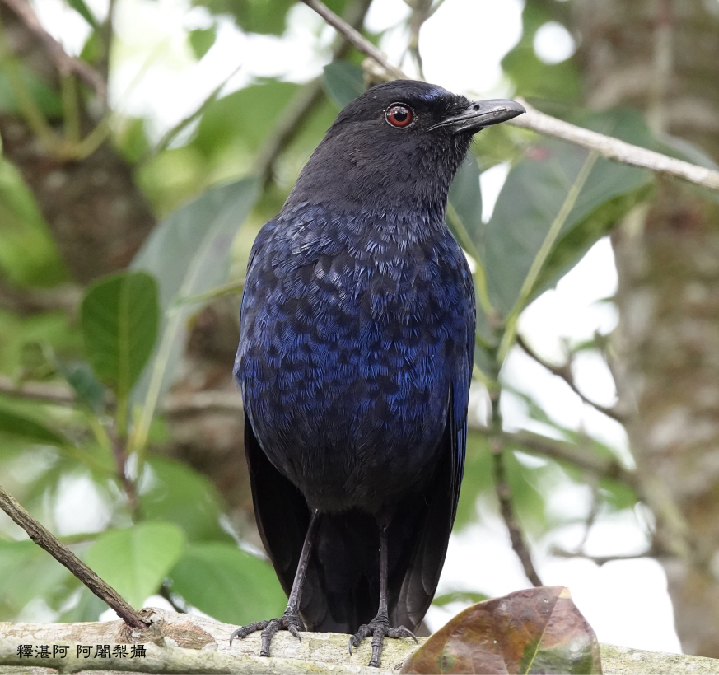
x=66, y=557
x=565, y=373
x=613, y=148
x=185, y=643
x=65, y=64
x=606, y=146
x=181, y=643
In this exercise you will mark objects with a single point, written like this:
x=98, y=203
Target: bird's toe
x=402, y=632
x=244, y=631
x=289, y=621
x=379, y=629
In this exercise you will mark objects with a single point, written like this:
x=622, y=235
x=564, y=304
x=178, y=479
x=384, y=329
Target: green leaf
x=182, y=496
x=80, y=377
x=119, y=316
x=253, y=16
x=130, y=135
x=529, y=202
x=80, y=6
x=88, y=608
x=189, y=253
x=28, y=253
x=531, y=76
x=28, y=572
x=241, y=120
x=616, y=496
x=477, y=479
x=92, y=49
x=343, y=82
x=22, y=426
x=260, y=16
x=528, y=485
x=464, y=208
x=228, y=584
x=47, y=328
x=45, y=98
x=136, y=560
x=459, y=596
x=201, y=40
x=613, y=494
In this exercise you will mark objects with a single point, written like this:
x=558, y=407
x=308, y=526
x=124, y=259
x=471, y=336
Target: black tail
x=341, y=590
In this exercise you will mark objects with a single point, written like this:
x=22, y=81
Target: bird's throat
x=415, y=178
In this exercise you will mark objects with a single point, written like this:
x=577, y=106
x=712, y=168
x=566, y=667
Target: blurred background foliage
x=122, y=253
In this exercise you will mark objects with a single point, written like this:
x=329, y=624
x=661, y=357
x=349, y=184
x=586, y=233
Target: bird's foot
x=289, y=621
x=379, y=629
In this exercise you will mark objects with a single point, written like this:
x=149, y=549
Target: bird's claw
x=289, y=621
x=379, y=629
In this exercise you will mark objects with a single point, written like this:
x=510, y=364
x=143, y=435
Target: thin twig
x=606, y=146
x=672, y=535
x=26, y=104
x=354, y=37
x=565, y=373
x=224, y=401
x=66, y=557
x=510, y=520
x=230, y=402
x=594, y=507
x=572, y=454
x=559, y=552
x=106, y=33
x=504, y=495
x=421, y=11
x=119, y=453
x=46, y=392
x=289, y=122
x=65, y=64
x=28, y=301
x=185, y=122
x=613, y=148
x=298, y=110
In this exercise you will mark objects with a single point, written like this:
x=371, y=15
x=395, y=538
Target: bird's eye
x=399, y=115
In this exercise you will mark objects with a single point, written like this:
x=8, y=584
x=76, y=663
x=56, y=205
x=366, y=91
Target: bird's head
x=399, y=144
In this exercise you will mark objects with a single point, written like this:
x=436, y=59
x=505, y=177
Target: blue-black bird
x=355, y=357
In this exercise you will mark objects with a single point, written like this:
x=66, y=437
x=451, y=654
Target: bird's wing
x=281, y=511
x=282, y=517
x=428, y=518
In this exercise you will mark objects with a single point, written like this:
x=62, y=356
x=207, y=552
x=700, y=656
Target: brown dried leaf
x=539, y=630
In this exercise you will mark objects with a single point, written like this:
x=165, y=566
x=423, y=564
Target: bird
x=357, y=330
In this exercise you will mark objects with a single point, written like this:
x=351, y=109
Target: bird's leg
x=290, y=620
x=379, y=627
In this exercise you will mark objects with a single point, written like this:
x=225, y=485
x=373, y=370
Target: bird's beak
x=480, y=114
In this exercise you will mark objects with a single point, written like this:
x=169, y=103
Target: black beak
x=480, y=114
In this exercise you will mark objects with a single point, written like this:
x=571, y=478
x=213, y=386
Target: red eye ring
x=399, y=115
